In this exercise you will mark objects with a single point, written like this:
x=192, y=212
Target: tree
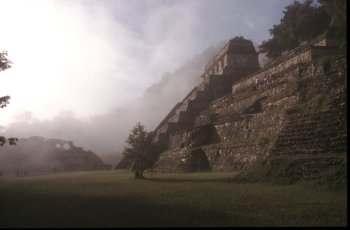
x=5, y=63
x=301, y=22
x=141, y=151
x=336, y=29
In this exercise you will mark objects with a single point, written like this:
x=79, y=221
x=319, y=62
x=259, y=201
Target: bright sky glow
x=77, y=63
x=91, y=56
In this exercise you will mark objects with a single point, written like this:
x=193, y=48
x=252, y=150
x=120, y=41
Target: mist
x=87, y=71
x=105, y=134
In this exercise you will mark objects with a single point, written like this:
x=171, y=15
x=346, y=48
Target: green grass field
x=115, y=199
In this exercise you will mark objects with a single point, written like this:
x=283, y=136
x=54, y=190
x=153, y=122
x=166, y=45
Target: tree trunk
x=139, y=174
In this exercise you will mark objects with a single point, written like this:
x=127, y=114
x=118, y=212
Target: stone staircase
x=323, y=132
x=169, y=162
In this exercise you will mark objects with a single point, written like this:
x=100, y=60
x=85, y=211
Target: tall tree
x=5, y=63
x=301, y=22
x=141, y=151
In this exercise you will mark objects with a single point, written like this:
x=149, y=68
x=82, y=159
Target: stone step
x=312, y=150
x=168, y=163
x=321, y=123
x=313, y=134
x=308, y=140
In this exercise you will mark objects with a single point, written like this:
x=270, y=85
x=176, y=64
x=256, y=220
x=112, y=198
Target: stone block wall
x=239, y=128
x=238, y=54
x=319, y=133
x=185, y=113
x=237, y=59
x=236, y=129
x=230, y=157
x=269, y=73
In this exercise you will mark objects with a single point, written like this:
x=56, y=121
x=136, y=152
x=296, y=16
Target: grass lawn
x=115, y=199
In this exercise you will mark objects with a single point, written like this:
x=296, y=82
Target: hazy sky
x=91, y=56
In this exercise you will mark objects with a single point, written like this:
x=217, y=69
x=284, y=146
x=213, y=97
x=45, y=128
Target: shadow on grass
x=48, y=211
x=177, y=180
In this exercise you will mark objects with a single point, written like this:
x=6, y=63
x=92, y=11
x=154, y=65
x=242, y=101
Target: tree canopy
x=302, y=22
x=336, y=29
x=5, y=63
x=141, y=151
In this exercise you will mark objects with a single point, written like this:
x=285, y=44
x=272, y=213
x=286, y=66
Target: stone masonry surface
x=240, y=114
